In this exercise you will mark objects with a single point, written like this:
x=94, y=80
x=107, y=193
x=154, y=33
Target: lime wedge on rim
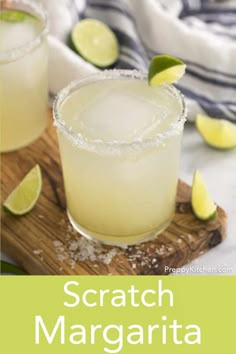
x=218, y=133
x=165, y=69
x=203, y=206
x=14, y=16
x=95, y=42
x=24, y=197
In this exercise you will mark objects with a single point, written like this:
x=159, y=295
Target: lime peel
x=95, y=42
x=165, y=69
x=218, y=133
x=203, y=206
x=24, y=197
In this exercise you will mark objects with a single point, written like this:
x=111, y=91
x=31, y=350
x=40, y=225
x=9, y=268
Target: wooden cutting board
x=43, y=242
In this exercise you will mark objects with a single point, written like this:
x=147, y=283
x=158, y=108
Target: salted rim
x=115, y=147
x=38, y=10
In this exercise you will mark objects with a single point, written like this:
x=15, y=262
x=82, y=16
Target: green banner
x=117, y=314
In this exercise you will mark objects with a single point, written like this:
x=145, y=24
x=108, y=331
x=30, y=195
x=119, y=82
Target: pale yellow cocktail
x=120, y=146
x=23, y=73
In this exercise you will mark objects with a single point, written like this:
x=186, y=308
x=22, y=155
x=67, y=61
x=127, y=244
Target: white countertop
x=219, y=172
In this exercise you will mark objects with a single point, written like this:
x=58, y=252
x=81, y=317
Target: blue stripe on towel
x=129, y=42
x=213, y=81
x=113, y=7
x=220, y=20
x=218, y=10
x=197, y=96
x=207, y=11
x=212, y=108
x=134, y=54
x=227, y=22
x=209, y=70
x=185, y=9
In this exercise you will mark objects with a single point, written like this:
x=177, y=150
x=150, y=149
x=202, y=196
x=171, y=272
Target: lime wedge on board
x=24, y=197
x=203, y=206
x=218, y=133
x=165, y=69
x=95, y=42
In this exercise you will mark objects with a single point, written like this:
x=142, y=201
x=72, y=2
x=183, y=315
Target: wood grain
x=30, y=239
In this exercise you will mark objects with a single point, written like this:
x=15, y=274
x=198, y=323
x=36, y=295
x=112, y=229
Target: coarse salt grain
x=61, y=257
x=57, y=243
x=169, y=248
x=79, y=249
x=190, y=237
x=82, y=250
x=37, y=252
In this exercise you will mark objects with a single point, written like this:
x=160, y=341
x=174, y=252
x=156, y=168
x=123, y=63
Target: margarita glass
x=23, y=73
x=120, y=146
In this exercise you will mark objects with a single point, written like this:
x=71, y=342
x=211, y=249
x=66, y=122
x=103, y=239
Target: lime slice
x=24, y=197
x=218, y=133
x=95, y=42
x=14, y=16
x=203, y=206
x=165, y=69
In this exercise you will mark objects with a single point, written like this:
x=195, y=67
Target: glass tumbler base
x=119, y=241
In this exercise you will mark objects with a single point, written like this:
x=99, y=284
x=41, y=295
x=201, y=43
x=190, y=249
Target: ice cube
x=118, y=115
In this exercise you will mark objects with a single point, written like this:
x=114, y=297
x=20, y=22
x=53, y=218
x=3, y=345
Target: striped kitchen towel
x=200, y=32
